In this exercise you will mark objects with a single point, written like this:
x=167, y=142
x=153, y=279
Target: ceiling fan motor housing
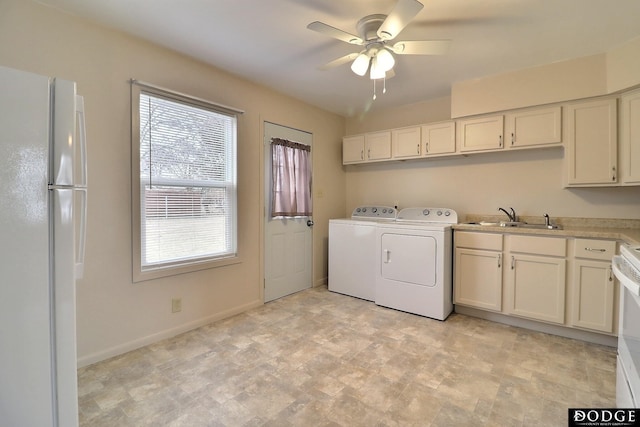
x=368, y=27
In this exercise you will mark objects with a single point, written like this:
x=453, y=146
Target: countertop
x=623, y=230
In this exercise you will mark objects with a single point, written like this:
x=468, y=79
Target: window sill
x=150, y=273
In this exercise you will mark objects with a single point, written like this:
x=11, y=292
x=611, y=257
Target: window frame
x=140, y=272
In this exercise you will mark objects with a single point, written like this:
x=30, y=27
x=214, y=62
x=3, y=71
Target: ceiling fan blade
x=336, y=33
x=340, y=61
x=399, y=17
x=422, y=47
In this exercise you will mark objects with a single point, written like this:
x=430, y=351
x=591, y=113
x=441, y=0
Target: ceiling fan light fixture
x=385, y=60
x=377, y=72
x=361, y=64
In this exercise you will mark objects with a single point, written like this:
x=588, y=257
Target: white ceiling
x=266, y=41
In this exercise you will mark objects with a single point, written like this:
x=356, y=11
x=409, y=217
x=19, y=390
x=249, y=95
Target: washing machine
x=414, y=262
x=352, y=250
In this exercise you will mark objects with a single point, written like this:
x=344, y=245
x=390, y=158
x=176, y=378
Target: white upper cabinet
x=406, y=142
x=592, y=143
x=439, y=138
x=366, y=147
x=630, y=139
x=353, y=149
x=377, y=145
x=535, y=127
x=480, y=134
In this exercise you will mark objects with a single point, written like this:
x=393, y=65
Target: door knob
x=310, y=223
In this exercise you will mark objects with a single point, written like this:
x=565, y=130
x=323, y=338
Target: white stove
x=626, y=267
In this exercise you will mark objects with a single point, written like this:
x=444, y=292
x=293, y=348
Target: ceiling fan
x=375, y=33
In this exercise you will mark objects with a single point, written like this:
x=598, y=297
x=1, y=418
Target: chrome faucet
x=512, y=216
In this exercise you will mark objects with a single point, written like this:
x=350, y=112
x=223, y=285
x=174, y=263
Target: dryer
x=414, y=262
x=352, y=251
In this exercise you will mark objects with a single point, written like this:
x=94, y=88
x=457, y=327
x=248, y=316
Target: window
x=291, y=178
x=184, y=154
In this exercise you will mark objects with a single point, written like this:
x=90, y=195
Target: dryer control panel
x=440, y=215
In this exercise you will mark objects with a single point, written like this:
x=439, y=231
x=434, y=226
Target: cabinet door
x=480, y=134
x=593, y=295
x=536, y=287
x=630, y=140
x=406, y=142
x=353, y=149
x=533, y=127
x=592, y=143
x=378, y=145
x=478, y=278
x=438, y=138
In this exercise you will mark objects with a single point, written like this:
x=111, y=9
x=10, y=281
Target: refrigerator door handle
x=82, y=140
x=82, y=234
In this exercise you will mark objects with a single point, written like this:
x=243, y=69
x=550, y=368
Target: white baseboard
x=578, y=334
x=158, y=336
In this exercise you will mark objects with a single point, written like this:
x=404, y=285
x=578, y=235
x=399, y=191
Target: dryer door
x=409, y=258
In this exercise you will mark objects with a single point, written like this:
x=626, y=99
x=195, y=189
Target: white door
x=287, y=241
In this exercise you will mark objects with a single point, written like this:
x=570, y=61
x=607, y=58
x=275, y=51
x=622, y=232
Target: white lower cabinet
x=478, y=270
x=536, y=287
x=557, y=280
x=593, y=296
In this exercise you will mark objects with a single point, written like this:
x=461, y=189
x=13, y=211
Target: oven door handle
x=624, y=272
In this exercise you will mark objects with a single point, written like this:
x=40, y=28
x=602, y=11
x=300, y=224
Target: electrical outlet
x=176, y=305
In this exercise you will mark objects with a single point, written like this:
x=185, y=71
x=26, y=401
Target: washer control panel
x=442, y=215
x=375, y=212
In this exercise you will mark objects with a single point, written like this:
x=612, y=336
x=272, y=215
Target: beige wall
x=433, y=110
x=623, y=66
x=114, y=314
x=560, y=81
x=529, y=181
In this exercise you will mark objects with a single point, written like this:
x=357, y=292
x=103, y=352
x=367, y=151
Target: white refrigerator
x=42, y=229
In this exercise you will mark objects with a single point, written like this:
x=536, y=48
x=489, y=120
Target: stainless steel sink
x=517, y=225
x=540, y=226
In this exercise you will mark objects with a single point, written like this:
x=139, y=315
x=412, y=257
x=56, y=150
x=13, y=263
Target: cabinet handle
x=610, y=274
x=387, y=253
x=613, y=173
x=499, y=261
x=426, y=147
x=361, y=154
x=595, y=250
x=499, y=140
x=513, y=138
x=418, y=151
x=369, y=153
x=513, y=263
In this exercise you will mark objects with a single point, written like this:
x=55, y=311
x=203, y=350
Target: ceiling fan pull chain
x=374, y=89
x=384, y=84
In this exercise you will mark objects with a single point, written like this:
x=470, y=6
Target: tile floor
x=318, y=358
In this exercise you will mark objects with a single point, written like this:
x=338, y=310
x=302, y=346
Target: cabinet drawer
x=595, y=249
x=469, y=239
x=549, y=246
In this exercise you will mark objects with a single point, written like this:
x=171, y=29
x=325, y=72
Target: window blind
x=187, y=181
